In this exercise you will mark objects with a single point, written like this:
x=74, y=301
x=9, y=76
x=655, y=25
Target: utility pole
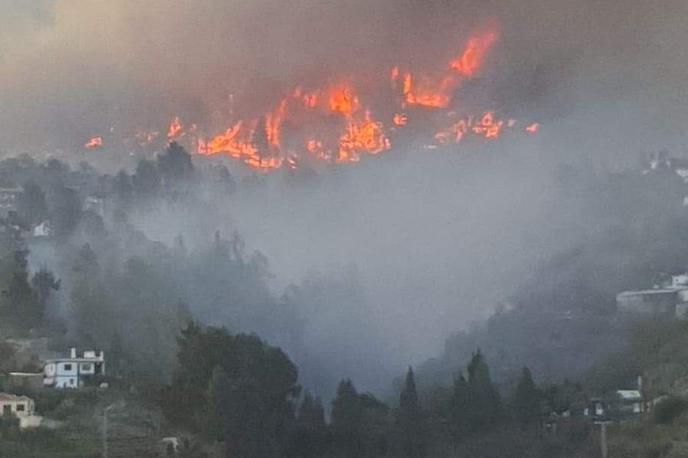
x=604, y=448
x=603, y=439
x=105, y=426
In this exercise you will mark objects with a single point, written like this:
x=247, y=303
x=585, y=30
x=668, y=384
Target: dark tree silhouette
x=409, y=421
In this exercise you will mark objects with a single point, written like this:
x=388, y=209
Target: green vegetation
x=667, y=410
x=229, y=393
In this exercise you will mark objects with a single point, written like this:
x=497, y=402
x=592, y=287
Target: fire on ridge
x=334, y=124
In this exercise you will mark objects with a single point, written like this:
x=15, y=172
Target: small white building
x=22, y=408
x=74, y=371
x=19, y=406
x=630, y=401
x=42, y=230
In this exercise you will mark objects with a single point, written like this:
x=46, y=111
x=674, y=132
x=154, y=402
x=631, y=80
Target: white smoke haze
x=433, y=241
x=425, y=245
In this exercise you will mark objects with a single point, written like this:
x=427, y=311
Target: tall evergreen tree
x=476, y=404
x=485, y=404
x=146, y=180
x=459, y=414
x=245, y=384
x=175, y=165
x=525, y=400
x=409, y=422
x=43, y=283
x=17, y=302
x=311, y=412
x=309, y=435
x=347, y=417
x=213, y=417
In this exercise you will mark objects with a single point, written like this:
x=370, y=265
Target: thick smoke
x=426, y=243
x=74, y=68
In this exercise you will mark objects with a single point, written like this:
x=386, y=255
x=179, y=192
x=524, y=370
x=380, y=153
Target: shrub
x=667, y=410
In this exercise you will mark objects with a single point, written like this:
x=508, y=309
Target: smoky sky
x=74, y=68
x=434, y=240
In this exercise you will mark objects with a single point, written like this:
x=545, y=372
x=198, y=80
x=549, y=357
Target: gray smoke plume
x=433, y=241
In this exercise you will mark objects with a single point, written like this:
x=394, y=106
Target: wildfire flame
x=334, y=122
x=343, y=100
x=175, y=130
x=94, y=142
x=471, y=59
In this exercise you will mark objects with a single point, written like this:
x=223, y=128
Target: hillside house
x=11, y=404
x=21, y=407
x=671, y=300
x=42, y=230
x=649, y=301
x=74, y=371
x=629, y=402
x=596, y=408
x=8, y=199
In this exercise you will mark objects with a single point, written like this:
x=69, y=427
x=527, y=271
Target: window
x=71, y=382
x=21, y=407
x=68, y=367
x=86, y=367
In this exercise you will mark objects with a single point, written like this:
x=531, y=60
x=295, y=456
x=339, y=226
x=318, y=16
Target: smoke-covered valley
x=409, y=260
x=259, y=215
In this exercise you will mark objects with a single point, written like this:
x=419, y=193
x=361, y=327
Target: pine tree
x=484, y=407
x=43, y=283
x=347, y=418
x=409, y=419
x=146, y=180
x=212, y=418
x=175, y=165
x=311, y=413
x=309, y=437
x=459, y=408
x=525, y=400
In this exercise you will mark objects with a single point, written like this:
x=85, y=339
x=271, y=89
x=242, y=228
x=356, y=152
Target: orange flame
x=342, y=99
x=470, y=61
x=273, y=123
x=428, y=92
x=400, y=119
x=366, y=136
x=332, y=123
x=94, y=142
x=175, y=129
x=437, y=92
x=488, y=127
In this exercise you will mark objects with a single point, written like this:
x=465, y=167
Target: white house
x=630, y=401
x=73, y=372
x=671, y=299
x=21, y=407
x=42, y=230
x=16, y=405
